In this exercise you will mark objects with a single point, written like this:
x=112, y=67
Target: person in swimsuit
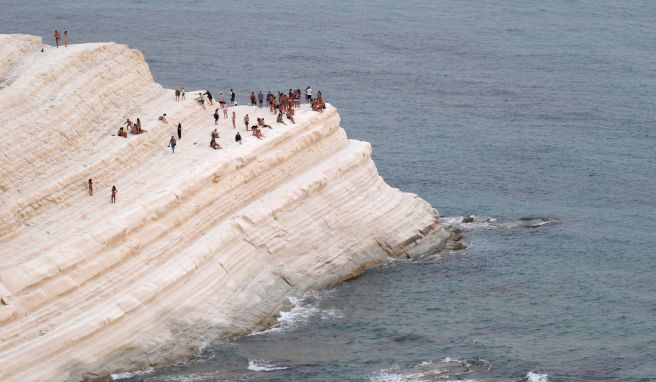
x=138, y=126
x=122, y=133
x=90, y=187
x=279, y=119
x=260, y=98
x=172, y=143
x=130, y=125
x=233, y=97
x=225, y=113
x=179, y=130
x=57, y=37
x=163, y=118
x=253, y=99
x=256, y=132
x=182, y=93
x=234, y=117
x=214, y=144
x=177, y=94
x=216, y=116
x=290, y=116
x=114, y=192
x=246, y=118
x=238, y=138
x=215, y=134
x=65, y=39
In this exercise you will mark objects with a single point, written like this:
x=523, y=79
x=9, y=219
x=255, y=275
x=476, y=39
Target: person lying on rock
x=163, y=118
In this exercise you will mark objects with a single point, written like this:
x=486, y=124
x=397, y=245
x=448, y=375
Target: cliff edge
x=201, y=245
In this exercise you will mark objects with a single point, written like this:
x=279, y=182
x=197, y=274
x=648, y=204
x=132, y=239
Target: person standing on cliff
x=179, y=130
x=114, y=192
x=246, y=119
x=57, y=37
x=234, y=117
x=260, y=98
x=308, y=94
x=233, y=98
x=216, y=117
x=177, y=94
x=253, y=99
x=90, y=187
x=65, y=39
x=172, y=143
x=182, y=93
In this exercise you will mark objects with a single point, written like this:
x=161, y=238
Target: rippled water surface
x=508, y=109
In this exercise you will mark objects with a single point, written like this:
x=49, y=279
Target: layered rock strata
x=201, y=244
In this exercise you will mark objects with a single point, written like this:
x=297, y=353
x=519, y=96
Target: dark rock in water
x=468, y=219
x=456, y=237
x=457, y=246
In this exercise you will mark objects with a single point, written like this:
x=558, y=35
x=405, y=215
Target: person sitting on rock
x=256, y=132
x=214, y=144
x=238, y=138
x=215, y=134
x=122, y=133
x=163, y=118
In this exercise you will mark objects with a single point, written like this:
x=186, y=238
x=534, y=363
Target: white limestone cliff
x=201, y=244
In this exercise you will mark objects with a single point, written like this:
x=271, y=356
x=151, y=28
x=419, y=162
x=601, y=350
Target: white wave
x=532, y=376
x=126, y=375
x=303, y=310
x=259, y=365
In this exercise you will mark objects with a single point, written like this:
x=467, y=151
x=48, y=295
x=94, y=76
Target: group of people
x=134, y=127
x=282, y=104
x=58, y=38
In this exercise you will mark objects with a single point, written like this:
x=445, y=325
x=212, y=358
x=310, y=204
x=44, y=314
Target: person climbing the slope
x=114, y=192
x=172, y=143
x=210, y=99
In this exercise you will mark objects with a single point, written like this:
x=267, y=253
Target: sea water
x=506, y=109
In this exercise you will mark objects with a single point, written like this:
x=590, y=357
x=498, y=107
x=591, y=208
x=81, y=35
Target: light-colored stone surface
x=201, y=245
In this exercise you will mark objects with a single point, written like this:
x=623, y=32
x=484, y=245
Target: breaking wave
x=260, y=365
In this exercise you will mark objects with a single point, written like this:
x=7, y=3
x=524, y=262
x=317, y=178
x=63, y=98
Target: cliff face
x=201, y=244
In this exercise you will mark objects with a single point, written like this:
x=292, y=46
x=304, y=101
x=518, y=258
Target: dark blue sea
x=501, y=109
